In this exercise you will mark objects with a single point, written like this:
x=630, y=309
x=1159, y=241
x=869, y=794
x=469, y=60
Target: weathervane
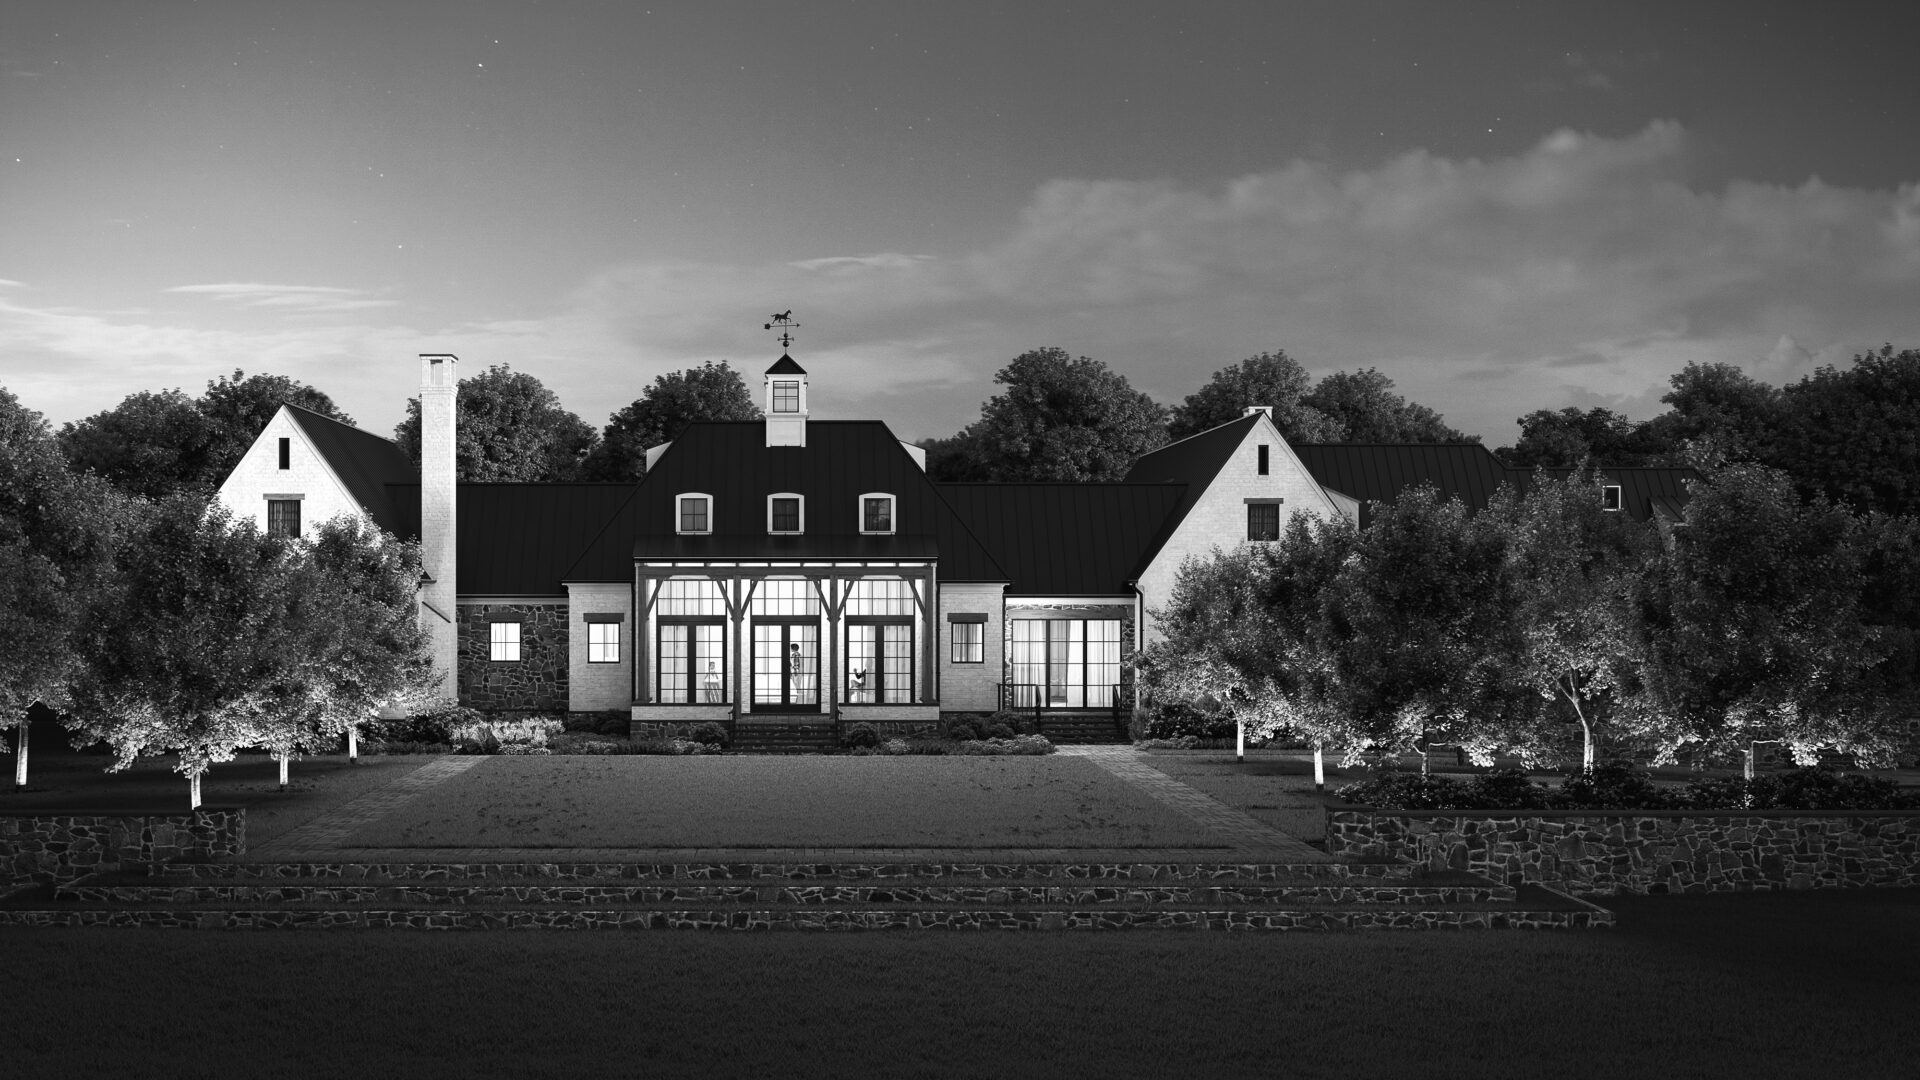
x=785, y=322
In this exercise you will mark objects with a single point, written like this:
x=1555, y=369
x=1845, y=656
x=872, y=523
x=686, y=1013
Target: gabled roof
x=517, y=539
x=786, y=366
x=365, y=462
x=730, y=461
x=1194, y=459
x=1379, y=472
x=1068, y=539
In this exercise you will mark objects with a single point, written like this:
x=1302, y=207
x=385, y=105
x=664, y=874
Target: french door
x=879, y=662
x=786, y=666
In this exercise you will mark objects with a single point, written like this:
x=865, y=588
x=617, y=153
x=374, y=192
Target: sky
x=1503, y=207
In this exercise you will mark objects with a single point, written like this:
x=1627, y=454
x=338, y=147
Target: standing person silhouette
x=796, y=673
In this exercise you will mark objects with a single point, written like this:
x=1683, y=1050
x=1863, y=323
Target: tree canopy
x=1364, y=409
x=508, y=427
x=1854, y=434
x=1274, y=379
x=709, y=392
x=1065, y=418
x=1564, y=439
x=239, y=407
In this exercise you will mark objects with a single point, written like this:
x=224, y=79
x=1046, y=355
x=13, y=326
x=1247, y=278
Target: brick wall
x=598, y=687
x=970, y=687
x=537, y=681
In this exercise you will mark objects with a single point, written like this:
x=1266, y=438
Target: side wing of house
x=284, y=482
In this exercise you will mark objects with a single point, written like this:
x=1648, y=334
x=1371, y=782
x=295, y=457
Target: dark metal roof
x=1069, y=539
x=1194, y=460
x=518, y=539
x=1645, y=493
x=730, y=461
x=365, y=462
x=1379, y=472
x=786, y=366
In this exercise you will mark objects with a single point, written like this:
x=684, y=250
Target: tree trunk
x=283, y=772
x=1749, y=761
x=20, y=756
x=193, y=792
x=1240, y=740
x=1586, y=731
x=1319, y=769
x=353, y=744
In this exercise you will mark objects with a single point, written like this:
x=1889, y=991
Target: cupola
x=786, y=403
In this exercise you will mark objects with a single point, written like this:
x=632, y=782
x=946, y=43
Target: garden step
x=1532, y=907
x=842, y=869
x=129, y=889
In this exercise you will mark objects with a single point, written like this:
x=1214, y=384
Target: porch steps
x=816, y=896
x=1084, y=730
x=765, y=738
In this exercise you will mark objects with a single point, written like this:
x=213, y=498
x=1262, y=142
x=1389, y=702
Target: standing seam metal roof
x=365, y=462
x=1065, y=539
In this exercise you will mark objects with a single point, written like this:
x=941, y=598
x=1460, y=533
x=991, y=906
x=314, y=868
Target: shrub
x=522, y=749
x=1507, y=789
x=966, y=726
x=1612, y=785
x=1178, y=742
x=710, y=734
x=667, y=746
x=1021, y=723
x=860, y=736
x=922, y=744
x=1172, y=719
x=586, y=742
x=894, y=746
x=433, y=726
x=1406, y=791
x=490, y=735
x=1000, y=731
x=1019, y=745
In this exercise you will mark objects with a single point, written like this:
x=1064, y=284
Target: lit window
x=283, y=517
x=1070, y=663
x=696, y=514
x=783, y=514
x=876, y=513
x=968, y=642
x=786, y=395
x=505, y=640
x=1610, y=497
x=1263, y=521
x=603, y=643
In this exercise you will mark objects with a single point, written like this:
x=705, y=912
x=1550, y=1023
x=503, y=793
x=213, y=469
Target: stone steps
x=843, y=895
x=775, y=738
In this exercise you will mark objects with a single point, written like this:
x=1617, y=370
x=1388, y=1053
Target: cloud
x=305, y=298
x=1584, y=269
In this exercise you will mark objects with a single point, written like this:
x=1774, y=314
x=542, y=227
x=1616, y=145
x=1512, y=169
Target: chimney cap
x=1251, y=409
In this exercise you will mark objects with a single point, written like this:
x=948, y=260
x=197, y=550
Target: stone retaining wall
x=52, y=848
x=1592, y=852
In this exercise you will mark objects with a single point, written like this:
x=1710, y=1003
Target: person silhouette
x=710, y=682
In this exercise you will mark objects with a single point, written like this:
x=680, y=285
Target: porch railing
x=1035, y=698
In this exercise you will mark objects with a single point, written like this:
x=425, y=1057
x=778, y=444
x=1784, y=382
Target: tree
x=1854, y=435
x=709, y=392
x=1564, y=439
x=198, y=643
x=509, y=427
x=1566, y=577
x=1365, y=409
x=1748, y=627
x=956, y=458
x=238, y=408
x=1718, y=413
x=150, y=445
x=57, y=533
x=1274, y=379
x=1062, y=418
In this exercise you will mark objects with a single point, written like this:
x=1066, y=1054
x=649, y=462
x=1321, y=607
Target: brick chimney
x=438, y=490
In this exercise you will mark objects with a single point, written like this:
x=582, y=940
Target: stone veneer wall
x=1587, y=852
x=537, y=681
x=54, y=848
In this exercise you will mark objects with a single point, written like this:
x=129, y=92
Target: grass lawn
x=1756, y=985
x=59, y=778
x=797, y=801
x=1275, y=787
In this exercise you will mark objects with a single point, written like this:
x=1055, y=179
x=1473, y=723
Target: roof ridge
x=1195, y=435
x=340, y=423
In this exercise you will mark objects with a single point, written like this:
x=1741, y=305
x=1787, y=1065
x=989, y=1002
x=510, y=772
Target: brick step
x=128, y=890
x=1532, y=908
x=776, y=870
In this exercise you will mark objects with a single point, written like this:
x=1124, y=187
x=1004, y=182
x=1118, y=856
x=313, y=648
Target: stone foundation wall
x=1586, y=852
x=57, y=848
x=537, y=681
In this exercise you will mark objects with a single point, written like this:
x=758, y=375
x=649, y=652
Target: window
x=1263, y=459
x=967, y=642
x=784, y=514
x=1074, y=663
x=1263, y=521
x=505, y=640
x=696, y=514
x=879, y=661
x=693, y=662
x=283, y=517
x=786, y=395
x=1610, y=497
x=876, y=513
x=286, y=453
x=603, y=643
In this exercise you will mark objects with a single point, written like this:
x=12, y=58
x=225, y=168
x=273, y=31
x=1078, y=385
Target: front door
x=786, y=667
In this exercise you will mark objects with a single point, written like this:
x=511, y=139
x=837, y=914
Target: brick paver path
x=332, y=830
x=1242, y=828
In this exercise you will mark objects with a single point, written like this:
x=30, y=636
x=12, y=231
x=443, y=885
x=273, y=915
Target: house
x=799, y=571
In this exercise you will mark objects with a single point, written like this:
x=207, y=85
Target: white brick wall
x=970, y=687
x=438, y=515
x=259, y=474
x=1219, y=519
x=597, y=687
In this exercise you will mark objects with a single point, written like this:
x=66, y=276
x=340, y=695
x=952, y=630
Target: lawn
x=1274, y=787
x=798, y=801
x=1755, y=985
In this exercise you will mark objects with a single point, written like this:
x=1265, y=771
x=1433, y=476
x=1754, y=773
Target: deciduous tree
x=509, y=427
x=1364, y=409
x=1274, y=379
x=1564, y=439
x=1853, y=435
x=151, y=444
x=709, y=392
x=1065, y=418
x=239, y=406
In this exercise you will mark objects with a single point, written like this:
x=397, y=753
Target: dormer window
x=876, y=513
x=695, y=512
x=786, y=395
x=786, y=513
x=1610, y=497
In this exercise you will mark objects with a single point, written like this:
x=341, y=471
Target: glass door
x=786, y=666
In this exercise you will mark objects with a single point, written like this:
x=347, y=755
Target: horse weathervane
x=784, y=320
